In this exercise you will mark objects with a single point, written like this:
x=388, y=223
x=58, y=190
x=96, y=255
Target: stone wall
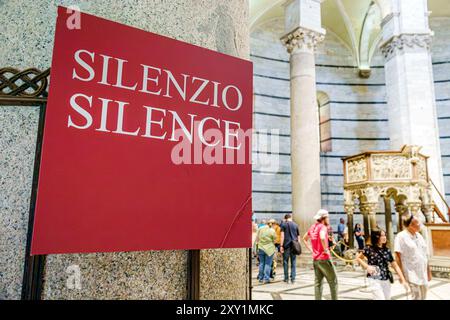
x=441, y=70
x=27, y=41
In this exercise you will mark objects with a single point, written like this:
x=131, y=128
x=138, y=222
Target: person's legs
x=424, y=291
x=293, y=266
x=273, y=270
x=376, y=288
x=330, y=274
x=386, y=286
x=268, y=268
x=261, y=255
x=286, y=264
x=418, y=292
x=360, y=243
x=318, y=280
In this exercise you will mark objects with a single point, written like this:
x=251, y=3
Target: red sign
x=144, y=143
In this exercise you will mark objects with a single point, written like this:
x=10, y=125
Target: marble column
x=388, y=221
x=350, y=210
x=428, y=211
x=300, y=40
x=366, y=223
x=409, y=83
x=371, y=209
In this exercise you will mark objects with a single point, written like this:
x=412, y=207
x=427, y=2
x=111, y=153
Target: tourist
x=286, y=216
x=359, y=235
x=263, y=223
x=289, y=234
x=331, y=240
x=346, y=238
x=254, y=230
x=378, y=258
x=323, y=267
x=265, y=239
x=412, y=256
x=340, y=234
x=277, y=228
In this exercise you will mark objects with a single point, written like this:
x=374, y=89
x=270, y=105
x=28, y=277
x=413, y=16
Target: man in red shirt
x=323, y=267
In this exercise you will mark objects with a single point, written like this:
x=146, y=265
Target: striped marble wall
x=358, y=115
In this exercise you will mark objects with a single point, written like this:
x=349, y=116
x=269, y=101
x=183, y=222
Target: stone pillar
x=428, y=211
x=350, y=209
x=215, y=24
x=388, y=219
x=366, y=224
x=409, y=83
x=371, y=209
x=303, y=33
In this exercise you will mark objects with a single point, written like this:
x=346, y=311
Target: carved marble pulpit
x=374, y=177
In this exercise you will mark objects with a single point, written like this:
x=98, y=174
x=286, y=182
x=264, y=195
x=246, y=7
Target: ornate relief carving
x=370, y=194
x=388, y=174
x=388, y=167
x=422, y=169
x=426, y=196
x=303, y=39
x=414, y=193
x=356, y=170
x=400, y=43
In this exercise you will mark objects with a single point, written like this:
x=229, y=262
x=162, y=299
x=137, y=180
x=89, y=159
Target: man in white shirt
x=412, y=256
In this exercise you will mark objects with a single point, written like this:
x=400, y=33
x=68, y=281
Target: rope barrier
x=342, y=259
x=338, y=256
x=340, y=242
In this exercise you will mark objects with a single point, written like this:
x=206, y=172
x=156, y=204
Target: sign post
x=15, y=87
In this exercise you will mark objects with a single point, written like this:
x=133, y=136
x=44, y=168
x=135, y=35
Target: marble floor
x=352, y=286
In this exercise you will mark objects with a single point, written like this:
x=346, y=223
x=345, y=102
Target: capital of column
x=302, y=39
x=370, y=208
x=414, y=207
x=398, y=44
x=349, y=208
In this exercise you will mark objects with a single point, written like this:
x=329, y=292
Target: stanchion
x=193, y=275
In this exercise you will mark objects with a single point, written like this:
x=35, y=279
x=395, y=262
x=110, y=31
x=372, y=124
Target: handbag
x=296, y=247
x=390, y=276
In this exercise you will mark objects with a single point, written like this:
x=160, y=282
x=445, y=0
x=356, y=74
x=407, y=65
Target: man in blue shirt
x=289, y=233
x=340, y=231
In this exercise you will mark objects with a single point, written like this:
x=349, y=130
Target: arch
x=323, y=104
x=385, y=7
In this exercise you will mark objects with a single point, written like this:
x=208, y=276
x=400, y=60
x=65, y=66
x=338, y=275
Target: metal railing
x=436, y=208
